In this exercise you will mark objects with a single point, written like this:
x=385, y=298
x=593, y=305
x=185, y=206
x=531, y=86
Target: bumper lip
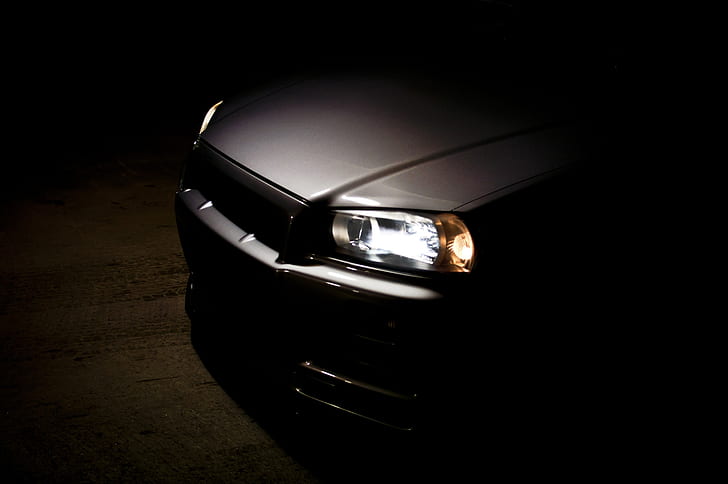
x=347, y=279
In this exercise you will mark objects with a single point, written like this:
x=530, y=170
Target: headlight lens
x=434, y=242
x=208, y=116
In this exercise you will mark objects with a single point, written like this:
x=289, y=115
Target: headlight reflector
x=434, y=242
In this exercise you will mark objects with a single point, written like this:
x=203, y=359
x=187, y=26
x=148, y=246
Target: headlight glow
x=433, y=242
x=208, y=117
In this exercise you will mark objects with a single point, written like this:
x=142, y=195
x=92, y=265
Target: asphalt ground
x=99, y=378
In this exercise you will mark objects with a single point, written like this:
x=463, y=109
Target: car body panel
x=371, y=142
x=449, y=182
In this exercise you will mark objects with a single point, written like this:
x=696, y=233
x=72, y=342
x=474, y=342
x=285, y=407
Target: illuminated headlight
x=436, y=242
x=208, y=117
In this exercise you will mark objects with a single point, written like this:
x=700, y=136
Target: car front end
x=383, y=240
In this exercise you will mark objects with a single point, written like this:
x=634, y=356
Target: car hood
x=352, y=142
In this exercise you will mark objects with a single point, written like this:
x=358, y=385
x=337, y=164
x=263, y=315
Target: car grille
x=250, y=203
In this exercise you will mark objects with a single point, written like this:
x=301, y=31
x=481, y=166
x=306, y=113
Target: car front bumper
x=354, y=340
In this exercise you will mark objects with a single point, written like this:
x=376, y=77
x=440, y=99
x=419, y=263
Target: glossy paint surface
x=377, y=142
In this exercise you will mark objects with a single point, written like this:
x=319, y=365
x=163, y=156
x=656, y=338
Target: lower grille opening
x=365, y=400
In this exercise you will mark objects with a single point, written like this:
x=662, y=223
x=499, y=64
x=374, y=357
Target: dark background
x=80, y=76
x=101, y=105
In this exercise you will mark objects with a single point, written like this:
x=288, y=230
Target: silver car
x=400, y=243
